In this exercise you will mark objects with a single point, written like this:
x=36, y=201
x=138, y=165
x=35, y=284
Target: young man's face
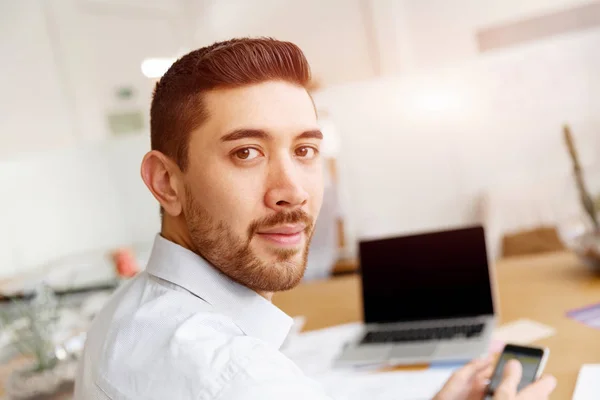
x=254, y=183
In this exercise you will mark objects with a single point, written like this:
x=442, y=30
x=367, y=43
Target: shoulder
x=202, y=357
x=157, y=343
x=150, y=339
x=171, y=344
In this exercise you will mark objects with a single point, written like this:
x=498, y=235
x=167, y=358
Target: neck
x=267, y=295
x=176, y=231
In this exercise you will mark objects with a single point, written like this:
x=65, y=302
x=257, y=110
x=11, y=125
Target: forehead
x=277, y=107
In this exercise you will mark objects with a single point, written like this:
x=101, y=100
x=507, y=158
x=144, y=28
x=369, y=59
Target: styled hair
x=177, y=103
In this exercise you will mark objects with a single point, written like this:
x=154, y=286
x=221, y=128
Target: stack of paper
x=314, y=352
x=523, y=332
x=588, y=383
x=404, y=385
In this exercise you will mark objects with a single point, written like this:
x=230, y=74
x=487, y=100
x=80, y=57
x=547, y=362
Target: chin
x=270, y=253
x=282, y=269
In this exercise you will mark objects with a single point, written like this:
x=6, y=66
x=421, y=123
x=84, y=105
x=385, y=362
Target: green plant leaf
x=32, y=324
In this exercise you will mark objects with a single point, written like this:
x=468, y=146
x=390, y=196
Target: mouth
x=284, y=235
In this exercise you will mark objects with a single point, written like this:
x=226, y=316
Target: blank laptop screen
x=426, y=276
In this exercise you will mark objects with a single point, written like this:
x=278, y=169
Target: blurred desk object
x=541, y=287
x=345, y=266
x=532, y=241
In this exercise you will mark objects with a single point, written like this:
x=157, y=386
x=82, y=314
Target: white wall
x=61, y=202
x=332, y=33
x=353, y=40
x=65, y=61
x=419, y=152
x=103, y=45
x=68, y=57
x=139, y=209
x=35, y=110
x=84, y=199
x=65, y=189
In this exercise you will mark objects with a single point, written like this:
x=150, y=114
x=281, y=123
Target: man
x=235, y=166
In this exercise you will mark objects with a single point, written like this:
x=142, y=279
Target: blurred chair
x=525, y=218
x=543, y=239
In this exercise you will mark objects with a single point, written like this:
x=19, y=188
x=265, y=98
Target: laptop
x=427, y=297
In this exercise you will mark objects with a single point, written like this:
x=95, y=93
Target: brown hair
x=177, y=108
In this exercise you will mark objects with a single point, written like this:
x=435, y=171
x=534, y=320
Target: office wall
x=35, y=108
x=335, y=35
x=420, y=151
x=68, y=58
x=102, y=44
x=57, y=204
x=83, y=199
x=65, y=62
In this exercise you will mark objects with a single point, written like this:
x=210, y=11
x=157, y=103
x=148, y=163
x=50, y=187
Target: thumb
x=507, y=390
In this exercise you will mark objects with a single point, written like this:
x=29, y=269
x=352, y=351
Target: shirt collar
x=255, y=315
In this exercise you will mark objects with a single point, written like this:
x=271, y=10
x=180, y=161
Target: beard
x=216, y=242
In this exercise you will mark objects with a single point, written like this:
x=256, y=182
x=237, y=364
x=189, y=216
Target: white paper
x=315, y=351
x=588, y=383
x=523, y=332
x=401, y=385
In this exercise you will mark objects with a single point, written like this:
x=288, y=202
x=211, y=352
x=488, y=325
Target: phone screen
x=530, y=358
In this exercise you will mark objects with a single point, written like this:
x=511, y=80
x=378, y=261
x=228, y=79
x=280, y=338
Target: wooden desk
x=540, y=287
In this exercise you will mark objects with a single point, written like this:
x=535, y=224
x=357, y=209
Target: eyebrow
x=239, y=134
x=314, y=134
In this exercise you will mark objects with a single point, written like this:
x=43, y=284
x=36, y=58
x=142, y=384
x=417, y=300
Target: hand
x=468, y=383
x=507, y=390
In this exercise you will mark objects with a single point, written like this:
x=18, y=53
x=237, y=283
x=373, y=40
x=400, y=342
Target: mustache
x=292, y=217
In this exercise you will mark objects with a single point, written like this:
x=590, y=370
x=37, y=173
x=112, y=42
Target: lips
x=285, y=235
x=284, y=230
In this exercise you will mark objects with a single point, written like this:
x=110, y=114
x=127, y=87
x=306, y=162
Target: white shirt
x=183, y=330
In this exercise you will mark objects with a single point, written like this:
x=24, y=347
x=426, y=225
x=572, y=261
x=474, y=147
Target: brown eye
x=306, y=152
x=247, y=153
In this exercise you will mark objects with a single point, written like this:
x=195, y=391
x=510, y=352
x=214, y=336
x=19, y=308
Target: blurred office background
x=440, y=113
x=437, y=113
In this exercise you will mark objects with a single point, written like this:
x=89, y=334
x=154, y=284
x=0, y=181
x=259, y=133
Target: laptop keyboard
x=423, y=334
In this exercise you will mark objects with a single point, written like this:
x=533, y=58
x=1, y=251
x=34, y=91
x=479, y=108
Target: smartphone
x=533, y=360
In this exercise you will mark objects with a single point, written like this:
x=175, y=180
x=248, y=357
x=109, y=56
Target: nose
x=285, y=190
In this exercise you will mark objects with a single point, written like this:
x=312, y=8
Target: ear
x=163, y=178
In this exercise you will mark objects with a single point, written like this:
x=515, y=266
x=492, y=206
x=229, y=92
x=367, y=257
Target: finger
x=481, y=382
x=464, y=376
x=510, y=380
x=478, y=388
x=540, y=389
x=473, y=368
x=486, y=373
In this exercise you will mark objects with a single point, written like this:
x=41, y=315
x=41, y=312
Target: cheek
x=228, y=195
x=237, y=201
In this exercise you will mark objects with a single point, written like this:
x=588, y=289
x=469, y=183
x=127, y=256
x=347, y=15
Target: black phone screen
x=529, y=357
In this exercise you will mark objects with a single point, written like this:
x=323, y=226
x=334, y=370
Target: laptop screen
x=426, y=276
